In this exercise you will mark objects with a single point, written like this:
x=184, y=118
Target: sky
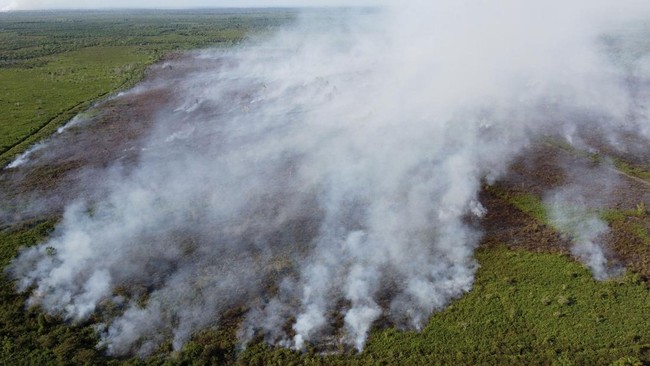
x=6, y=5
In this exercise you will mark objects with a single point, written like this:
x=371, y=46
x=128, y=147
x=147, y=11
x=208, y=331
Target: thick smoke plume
x=332, y=171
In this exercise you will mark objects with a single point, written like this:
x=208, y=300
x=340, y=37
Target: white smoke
x=328, y=171
x=575, y=209
x=24, y=158
x=569, y=214
x=585, y=230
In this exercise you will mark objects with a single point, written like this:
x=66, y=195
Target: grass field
x=524, y=308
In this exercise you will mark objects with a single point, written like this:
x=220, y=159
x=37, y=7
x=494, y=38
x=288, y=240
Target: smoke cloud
x=332, y=171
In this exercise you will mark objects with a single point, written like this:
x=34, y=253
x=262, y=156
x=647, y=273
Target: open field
x=532, y=301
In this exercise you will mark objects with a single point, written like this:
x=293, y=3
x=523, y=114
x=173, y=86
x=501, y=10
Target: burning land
x=401, y=185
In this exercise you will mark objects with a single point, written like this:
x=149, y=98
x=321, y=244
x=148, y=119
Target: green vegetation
x=530, y=205
x=628, y=219
x=631, y=170
x=54, y=65
x=527, y=203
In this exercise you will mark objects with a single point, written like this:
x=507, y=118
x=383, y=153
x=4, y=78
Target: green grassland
x=524, y=308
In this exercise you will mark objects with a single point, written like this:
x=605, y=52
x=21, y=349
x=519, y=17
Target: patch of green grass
x=527, y=203
x=622, y=218
x=531, y=205
x=640, y=232
x=23, y=235
x=631, y=170
x=613, y=215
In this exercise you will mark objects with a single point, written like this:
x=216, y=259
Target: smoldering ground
x=332, y=170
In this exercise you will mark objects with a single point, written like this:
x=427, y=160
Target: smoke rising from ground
x=575, y=210
x=331, y=171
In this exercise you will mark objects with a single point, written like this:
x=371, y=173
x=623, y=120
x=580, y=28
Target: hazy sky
x=97, y=4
